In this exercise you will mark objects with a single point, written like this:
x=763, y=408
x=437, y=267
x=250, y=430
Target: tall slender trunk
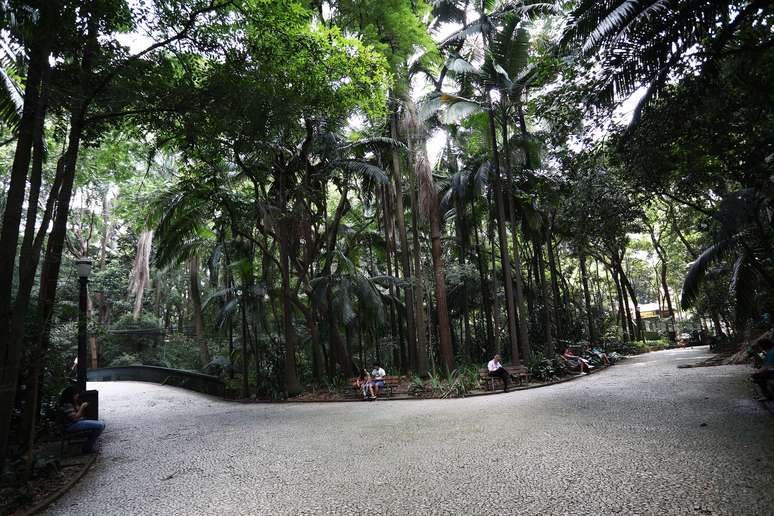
x=198, y=317
x=547, y=302
x=292, y=385
x=554, y=282
x=522, y=322
x=411, y=325
x=399, y=355
x=663, y=276
x=630, y=288
x=245, y=337
x=587, y=298
x=10, y=348
x=106, y=228
x=495, y=284
x=503, y=238
x=428, y=207
x=420, y=364
x=621, y=307
x=486, y=299
x=444, y=327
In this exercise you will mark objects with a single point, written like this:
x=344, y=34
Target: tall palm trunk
x=429, y=205
x=396, y=326
x=503, y=238
x=412, y=328
x=521, y=303
x=587, y=297
x=198, y=317
x=545, y=294
x=554, y=282
x=420, y=358
x=486, y=299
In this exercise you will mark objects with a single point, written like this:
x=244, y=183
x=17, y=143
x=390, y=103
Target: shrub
x=126, y=359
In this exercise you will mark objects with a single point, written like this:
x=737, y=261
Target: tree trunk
x=106, y=228
x=10, y=348
x=429, y=206
x=198, y=317
x=627, y=284
x=399, y=213
x=396, y=326
x=292, y=385
x=486, y=300
x=621, y=307
x=503, y=239
x=444, y=328
x=554, y=281
x=495, y=288
x=547, y=302
x=521, y=304
x=587, y=298
x=141, y=271
x=420, y=358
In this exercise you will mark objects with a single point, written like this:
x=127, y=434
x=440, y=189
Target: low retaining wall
x=198, y=382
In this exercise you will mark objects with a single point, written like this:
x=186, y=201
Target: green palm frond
x=641, y=43
x=11, y=101
x=363, y=168
x=699, y=267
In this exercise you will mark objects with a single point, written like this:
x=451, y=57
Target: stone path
x=642, y=437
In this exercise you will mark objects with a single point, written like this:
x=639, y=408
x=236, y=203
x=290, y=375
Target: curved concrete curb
x=485, y=393
x=58, y=494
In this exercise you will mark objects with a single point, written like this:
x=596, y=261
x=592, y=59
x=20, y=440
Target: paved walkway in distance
x=642, y=437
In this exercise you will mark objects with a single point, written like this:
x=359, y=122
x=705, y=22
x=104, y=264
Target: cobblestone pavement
x=642, y=437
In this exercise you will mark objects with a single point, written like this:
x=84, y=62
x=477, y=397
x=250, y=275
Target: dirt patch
x=50, y=480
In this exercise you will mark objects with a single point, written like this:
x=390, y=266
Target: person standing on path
x=497, y=370
x=762, y=375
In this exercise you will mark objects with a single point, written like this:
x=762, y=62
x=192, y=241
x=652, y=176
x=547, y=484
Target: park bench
x=56, y=429
x=519, y=373
x=391, y=384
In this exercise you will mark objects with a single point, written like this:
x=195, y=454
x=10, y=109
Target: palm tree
x=642, y=43
x=744, y=237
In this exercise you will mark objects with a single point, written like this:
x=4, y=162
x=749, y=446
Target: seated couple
x=496, y=370
x=370, y=383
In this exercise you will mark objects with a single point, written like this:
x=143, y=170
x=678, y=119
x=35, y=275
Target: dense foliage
x=282, y=192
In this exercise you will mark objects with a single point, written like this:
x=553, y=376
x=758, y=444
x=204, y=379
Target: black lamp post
x=84, y=270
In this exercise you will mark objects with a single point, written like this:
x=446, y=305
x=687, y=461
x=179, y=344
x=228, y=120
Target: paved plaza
x=642, y=437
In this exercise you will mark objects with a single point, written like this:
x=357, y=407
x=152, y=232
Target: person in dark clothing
x=763, y=374
x=74, y=421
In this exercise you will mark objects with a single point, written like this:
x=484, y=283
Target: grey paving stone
x=628, y=440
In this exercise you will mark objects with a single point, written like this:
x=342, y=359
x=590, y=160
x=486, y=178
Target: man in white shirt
x=497, y=370
x=378, y=375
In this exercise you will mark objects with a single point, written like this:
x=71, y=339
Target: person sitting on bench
x=365, y=385
x=497, y=370
x=576, y=362
x=73, y=412
x=763, y=374
x=378, y=375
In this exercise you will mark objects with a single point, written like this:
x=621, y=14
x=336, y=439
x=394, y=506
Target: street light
x=84, y=271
